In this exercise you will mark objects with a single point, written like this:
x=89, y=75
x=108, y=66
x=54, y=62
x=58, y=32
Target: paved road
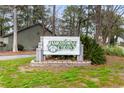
x=14, y=57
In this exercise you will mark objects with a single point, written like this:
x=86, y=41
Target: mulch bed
x=110, y=60
x=114, y=59
x=27, y=67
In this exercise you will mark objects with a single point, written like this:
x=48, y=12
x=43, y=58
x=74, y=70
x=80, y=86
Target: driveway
x=14, y=57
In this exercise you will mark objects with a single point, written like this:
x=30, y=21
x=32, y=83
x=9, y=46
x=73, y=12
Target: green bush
x=114, y=50
x=92, y=51
x=65, y=57
x=20, y=47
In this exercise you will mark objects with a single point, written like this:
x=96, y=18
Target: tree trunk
x=116, y=39
x=53, y=21
x=98, y=23
x=70, y=25
x=73, y=25
x=104, y=40
x=112, y=42
x=1, y=26
x=87, y=27
x=79, y=24
x=15, y=48
x=1, y=31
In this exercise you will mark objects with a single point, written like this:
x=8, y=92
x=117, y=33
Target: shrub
x=114, y=50
x=20, y=47
x=92, y=51
x=65, y=57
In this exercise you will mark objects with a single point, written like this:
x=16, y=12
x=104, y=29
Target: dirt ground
x=6, y=53
x=109, y=61
x=114, y=59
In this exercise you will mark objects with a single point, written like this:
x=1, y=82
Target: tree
x=15, y=47
x=80, y=20
x=53, y=20
x=72, y=20
x=112, y=20
x=77, y=20
x=107, y=21
x=24, y=17
x=5, y=20
x=98, y=22
x=10, y=8
x=33, y=14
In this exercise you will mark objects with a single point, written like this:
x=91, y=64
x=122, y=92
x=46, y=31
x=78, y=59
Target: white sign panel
x=61, y=45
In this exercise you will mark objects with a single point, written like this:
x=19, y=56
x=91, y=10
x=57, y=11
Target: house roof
x=24, y=29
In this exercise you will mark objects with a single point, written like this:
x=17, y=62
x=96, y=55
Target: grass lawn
x=108, y=75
